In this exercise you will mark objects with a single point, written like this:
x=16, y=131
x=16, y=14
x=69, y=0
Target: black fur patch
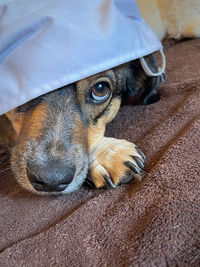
x=29, y=105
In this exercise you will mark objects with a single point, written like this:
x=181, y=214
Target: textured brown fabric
x=153, y=223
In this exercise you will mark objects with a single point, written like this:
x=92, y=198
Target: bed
x=152, y=223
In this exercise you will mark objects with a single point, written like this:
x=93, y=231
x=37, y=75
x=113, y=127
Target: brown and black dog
x=59, y=136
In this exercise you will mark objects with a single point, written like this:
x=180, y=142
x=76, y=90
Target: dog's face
x=60, y=135
x=55, y=132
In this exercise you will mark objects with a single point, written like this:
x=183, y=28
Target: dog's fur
x=172, y=18
x=59, y=136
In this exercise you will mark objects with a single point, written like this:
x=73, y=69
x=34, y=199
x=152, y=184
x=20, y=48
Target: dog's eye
x=100, y=92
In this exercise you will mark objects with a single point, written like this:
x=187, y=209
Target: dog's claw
x=140, y=152
x=139, y=162
x=132, y=166
x=89, y=183
x=109, y=181
x=128, y=177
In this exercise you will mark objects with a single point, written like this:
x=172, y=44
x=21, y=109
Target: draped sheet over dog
x=48, y=44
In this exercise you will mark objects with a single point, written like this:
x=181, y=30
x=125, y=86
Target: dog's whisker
x=95, y=147
x=5, y=170
x=21, y=157
x=18, y=161
x=8, y=149
x=100, y=153
x=34, y=174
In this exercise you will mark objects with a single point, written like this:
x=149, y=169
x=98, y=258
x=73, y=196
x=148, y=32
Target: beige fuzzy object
x=173, y=18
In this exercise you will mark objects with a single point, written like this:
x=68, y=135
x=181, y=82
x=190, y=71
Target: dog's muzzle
x=55, y=176
x=51, y=154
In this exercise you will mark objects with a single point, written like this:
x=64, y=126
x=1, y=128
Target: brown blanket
x=153, y=223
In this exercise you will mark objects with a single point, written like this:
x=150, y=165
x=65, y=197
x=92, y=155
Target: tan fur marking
x=35, y=121
x=16, y=120
x=96, y=132
x=29, y=122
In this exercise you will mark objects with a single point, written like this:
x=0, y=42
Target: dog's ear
x=141, y=88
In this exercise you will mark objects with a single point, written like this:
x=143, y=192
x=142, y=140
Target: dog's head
x=56, y=131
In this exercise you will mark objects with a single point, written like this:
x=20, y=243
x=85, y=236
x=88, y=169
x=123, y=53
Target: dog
x=173, y=18
x=59, y=137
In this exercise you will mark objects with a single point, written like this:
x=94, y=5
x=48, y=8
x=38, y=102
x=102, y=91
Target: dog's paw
x=114, y=162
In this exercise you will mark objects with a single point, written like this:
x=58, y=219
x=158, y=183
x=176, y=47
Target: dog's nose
x=49, y=179
x=46, y=187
